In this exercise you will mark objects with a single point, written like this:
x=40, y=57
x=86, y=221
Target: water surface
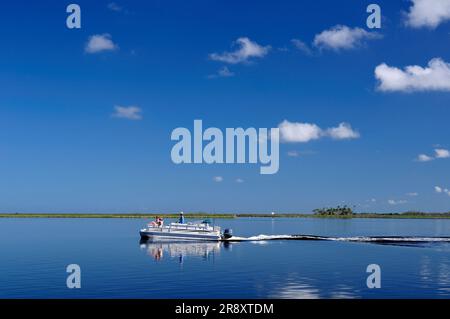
x=114, y=264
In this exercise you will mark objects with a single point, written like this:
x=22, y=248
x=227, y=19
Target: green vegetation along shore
x=322, y=214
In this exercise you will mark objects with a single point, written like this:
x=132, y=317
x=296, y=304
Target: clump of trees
x=334, y=211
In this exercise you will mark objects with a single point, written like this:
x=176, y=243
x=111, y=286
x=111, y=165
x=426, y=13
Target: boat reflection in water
x=159, y=249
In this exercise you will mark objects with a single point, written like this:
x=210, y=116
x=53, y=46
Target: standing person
x=181, y=221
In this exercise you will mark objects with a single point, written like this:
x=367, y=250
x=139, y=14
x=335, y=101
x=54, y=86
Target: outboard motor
x=227, y=233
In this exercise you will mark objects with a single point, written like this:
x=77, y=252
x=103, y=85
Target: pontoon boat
x=186, y=231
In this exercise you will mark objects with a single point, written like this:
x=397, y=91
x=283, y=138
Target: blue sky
x=62, y=150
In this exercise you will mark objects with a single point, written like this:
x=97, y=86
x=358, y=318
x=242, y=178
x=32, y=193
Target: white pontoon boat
x=186, y=231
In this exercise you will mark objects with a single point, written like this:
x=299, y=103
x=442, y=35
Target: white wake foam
x=380, y=239
x=391, y=239
x=261, y=237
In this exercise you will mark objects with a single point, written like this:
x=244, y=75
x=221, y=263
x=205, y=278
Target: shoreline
x=406, y=215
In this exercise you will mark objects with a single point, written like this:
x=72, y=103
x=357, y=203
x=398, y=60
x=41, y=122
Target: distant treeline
x=411, y=214
x=336, y=212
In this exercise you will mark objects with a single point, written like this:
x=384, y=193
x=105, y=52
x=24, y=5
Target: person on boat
x=154, y=222
x=181, y=221
x=158, y=222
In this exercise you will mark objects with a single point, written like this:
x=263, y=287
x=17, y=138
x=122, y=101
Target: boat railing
x=195, y=227
x=199, y=227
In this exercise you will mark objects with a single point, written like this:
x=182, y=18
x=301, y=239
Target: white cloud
x=424, y=158
x=442, y=153
x=341, y=37
x=439, y=154
x=299, y=132
x=302, y=46
x=440, y=190
x=224, y=72
x=293, y=154
x=413, y=194
x=239, y=180
x=295, y=132
x=218, y=179
x=114, y=7
x=397, y=202
x=99, y=43
x=246, y=51
x=434, y=77
x=428, y=13
x=128, y=112
x=342, y=132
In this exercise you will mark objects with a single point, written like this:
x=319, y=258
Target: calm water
x=34, y=254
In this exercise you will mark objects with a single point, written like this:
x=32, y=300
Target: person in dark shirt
x=181, y=221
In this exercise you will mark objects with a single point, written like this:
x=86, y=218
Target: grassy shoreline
x=407, y=215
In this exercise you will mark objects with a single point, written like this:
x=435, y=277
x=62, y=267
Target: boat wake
x=371, y=239
x=261, y=238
